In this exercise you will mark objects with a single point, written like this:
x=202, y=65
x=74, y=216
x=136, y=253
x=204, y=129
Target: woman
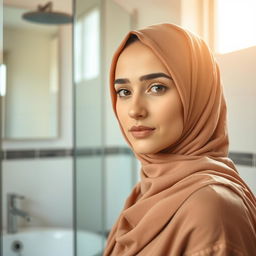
x=168, y=99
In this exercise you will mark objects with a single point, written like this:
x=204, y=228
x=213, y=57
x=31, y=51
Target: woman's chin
x=145, y=150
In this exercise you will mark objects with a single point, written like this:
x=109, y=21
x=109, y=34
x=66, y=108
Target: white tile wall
x=238, y=76
x=47, y=187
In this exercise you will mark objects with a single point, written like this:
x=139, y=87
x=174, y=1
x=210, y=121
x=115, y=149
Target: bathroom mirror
x=30, y=93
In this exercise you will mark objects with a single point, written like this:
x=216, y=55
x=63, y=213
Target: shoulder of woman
x=216, y=202
x=216, y=206
x=216, y=218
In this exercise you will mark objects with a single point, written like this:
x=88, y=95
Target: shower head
x=45, y=15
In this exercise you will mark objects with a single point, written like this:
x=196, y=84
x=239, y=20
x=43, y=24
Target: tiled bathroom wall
x=238, y=79
x=46, y=185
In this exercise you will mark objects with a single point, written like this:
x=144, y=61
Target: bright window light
x=78, y=51
x=2, y=80
x=91, y=42
x=87, y=46
x=235, y=25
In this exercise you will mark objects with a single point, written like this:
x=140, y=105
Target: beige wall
x=152, y=12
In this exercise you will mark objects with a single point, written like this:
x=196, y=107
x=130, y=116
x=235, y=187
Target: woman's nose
x=137, y=109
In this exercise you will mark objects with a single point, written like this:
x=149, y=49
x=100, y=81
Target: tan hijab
x=197, y=160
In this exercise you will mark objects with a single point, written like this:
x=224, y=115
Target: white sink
x=51, y=242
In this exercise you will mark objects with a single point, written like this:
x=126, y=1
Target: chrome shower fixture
x=45, y=15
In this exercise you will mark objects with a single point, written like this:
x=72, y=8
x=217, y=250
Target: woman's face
x=147, y=96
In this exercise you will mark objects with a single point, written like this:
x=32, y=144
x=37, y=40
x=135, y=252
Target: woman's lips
x=142, y=133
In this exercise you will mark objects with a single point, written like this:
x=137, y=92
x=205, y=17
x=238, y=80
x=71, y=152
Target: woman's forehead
x=138, y=59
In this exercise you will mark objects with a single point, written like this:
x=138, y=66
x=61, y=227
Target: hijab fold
x=198, y=159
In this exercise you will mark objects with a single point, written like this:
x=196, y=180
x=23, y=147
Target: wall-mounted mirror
x=30, y=92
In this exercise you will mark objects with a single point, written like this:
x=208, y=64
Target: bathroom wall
x=47, y=187
x=41, y=170
x=147, y=12
x=238, y=76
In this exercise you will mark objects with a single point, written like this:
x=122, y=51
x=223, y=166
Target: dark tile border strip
x=98, y=151
x=46, y=153
x=14, y=154
x=54, y=153
x=247, y=159
x=242, y=158
x=31, y=154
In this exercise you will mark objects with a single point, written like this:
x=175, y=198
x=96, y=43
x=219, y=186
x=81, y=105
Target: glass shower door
x=105, y=168
x=88, y=130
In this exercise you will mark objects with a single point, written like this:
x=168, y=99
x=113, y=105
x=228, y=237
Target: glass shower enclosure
x=105, y=169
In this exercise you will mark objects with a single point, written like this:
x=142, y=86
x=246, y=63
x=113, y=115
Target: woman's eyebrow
x=122, y=81
x=143, y=78
x=154, y=75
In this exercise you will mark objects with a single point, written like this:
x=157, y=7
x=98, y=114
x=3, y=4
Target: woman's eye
x=122, y=92
x=158, y=88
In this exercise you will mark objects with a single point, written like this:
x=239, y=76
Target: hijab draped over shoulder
x=190, y=198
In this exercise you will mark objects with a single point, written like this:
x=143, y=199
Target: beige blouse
x=212, y=221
